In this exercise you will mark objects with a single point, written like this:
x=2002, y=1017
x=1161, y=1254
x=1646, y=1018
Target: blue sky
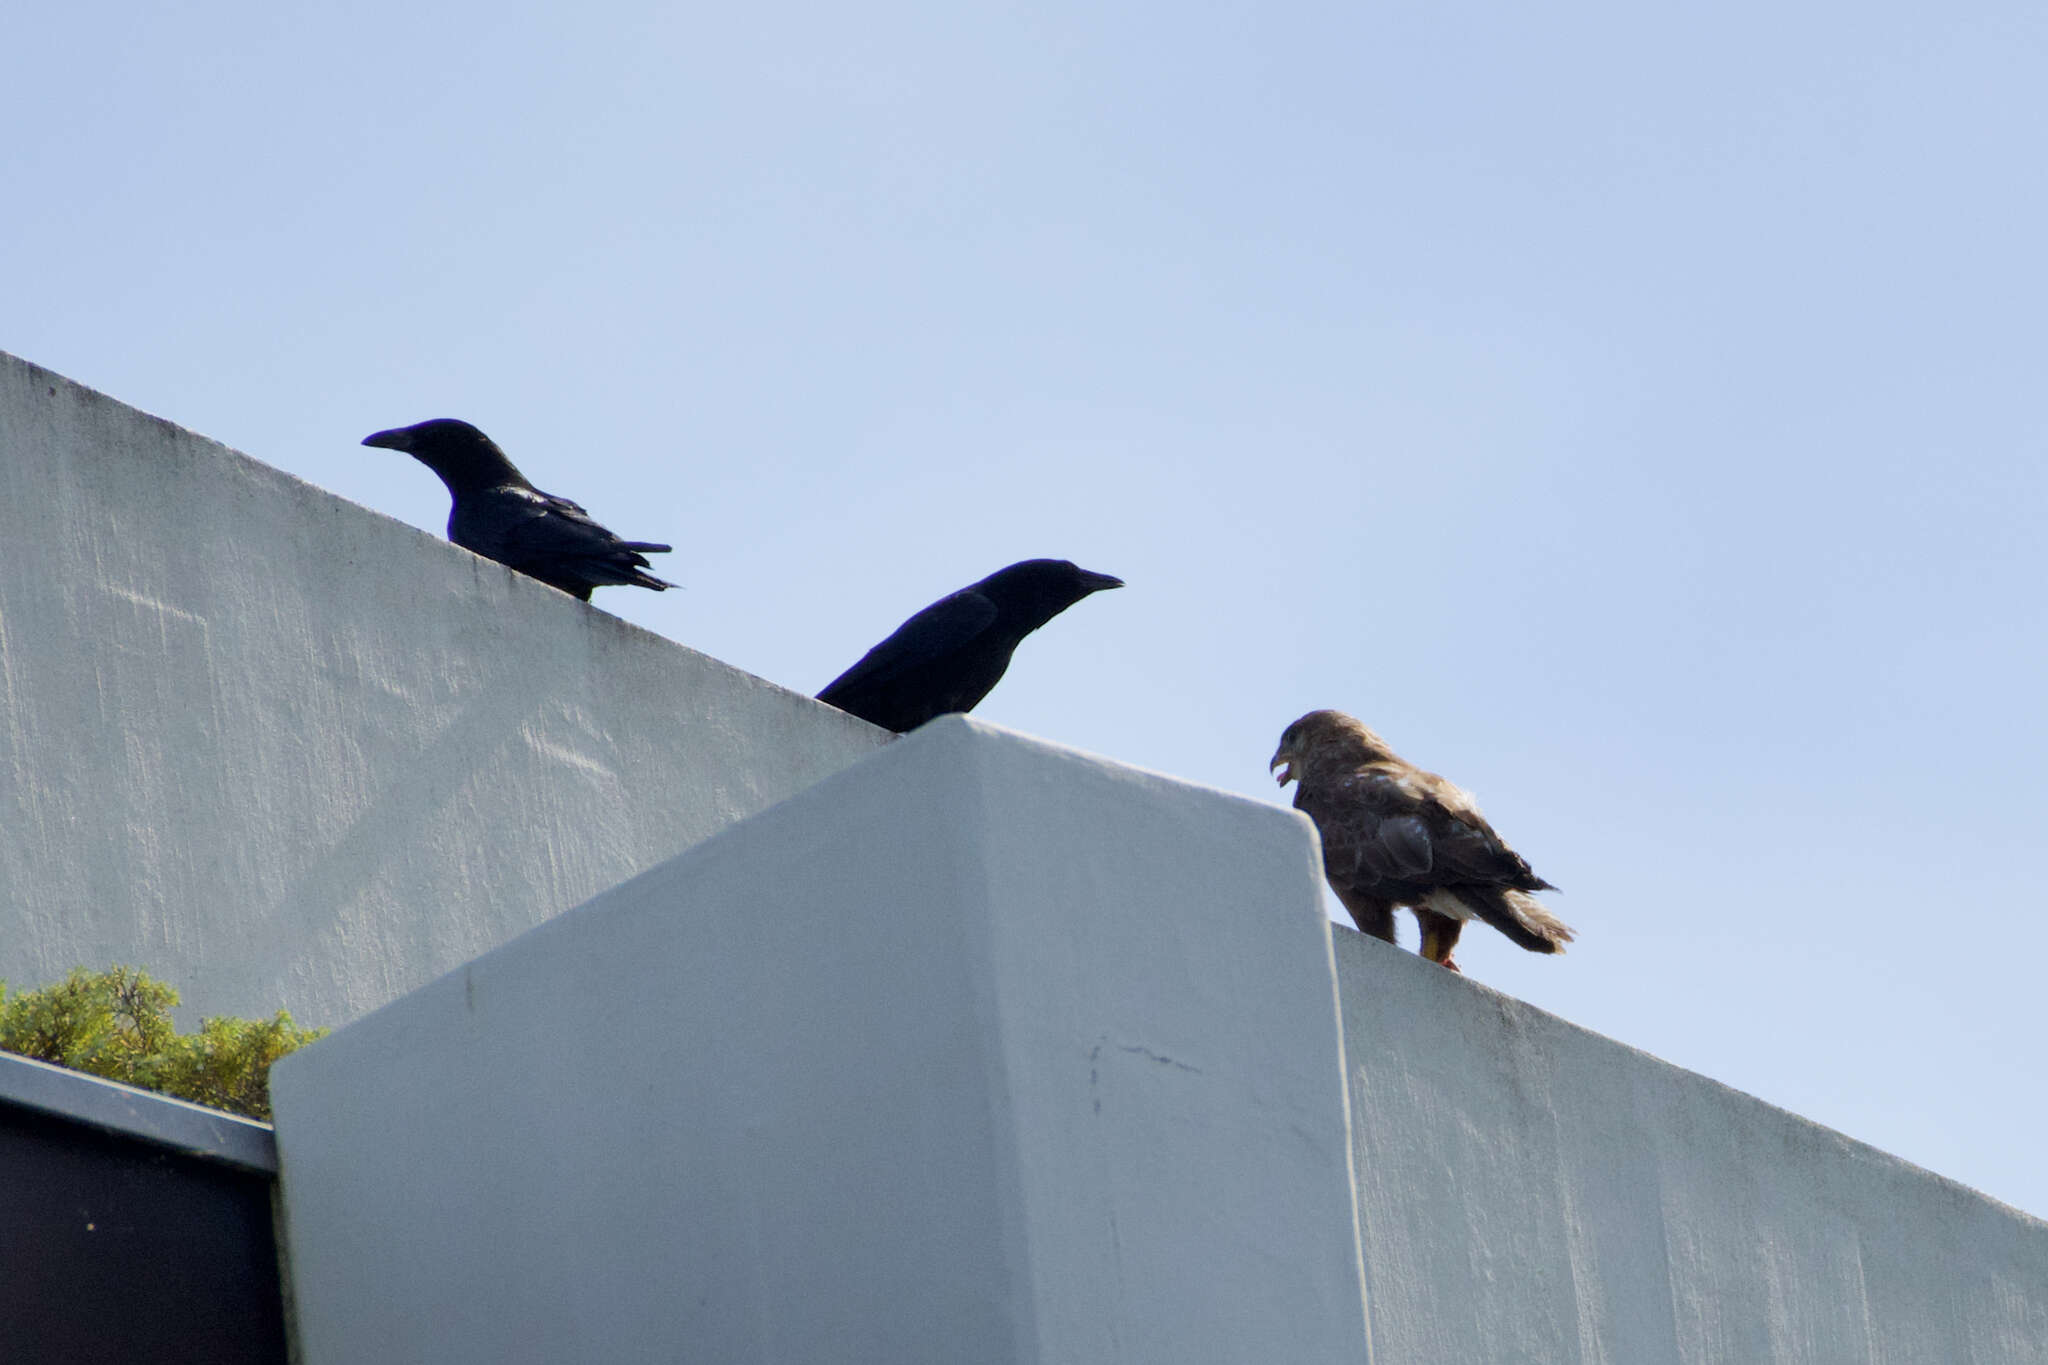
x=1631, y=413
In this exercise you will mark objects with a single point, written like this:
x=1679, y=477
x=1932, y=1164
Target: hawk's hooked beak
x=398, y=438
x=1284, y=761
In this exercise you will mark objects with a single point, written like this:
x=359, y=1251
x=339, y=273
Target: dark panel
x=121, y=1251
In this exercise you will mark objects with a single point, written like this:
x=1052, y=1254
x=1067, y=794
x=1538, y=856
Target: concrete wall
x=1529, y=1191
x=283, y=751
x=979, y=1051
x=982, y=1050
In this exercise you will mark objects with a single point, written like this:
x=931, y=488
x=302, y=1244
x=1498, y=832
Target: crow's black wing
x=552, y=539
x=939, y=630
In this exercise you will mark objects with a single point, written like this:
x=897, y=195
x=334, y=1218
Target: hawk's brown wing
x=1465, y=846
x=1399, y=832
x=1352, y=858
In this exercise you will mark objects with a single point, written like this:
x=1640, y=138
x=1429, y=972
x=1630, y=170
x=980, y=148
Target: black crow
x=501, y=516
x=948, y=656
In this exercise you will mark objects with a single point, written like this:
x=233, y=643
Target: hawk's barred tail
x=1520, y=917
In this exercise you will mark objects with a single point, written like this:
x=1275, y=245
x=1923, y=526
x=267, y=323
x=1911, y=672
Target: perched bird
x=948, y=656
x=1396, y=835
x=501, y=516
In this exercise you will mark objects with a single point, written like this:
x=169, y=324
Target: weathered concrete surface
x=283, y=751
x=1529, y=1191
x=979, y=1051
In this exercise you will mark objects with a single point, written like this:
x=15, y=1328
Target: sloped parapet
x=283, y=751
x=981, y=1050
x=1530, y=1191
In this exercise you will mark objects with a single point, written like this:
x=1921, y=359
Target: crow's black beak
x=1096, y=582
x=398, y=438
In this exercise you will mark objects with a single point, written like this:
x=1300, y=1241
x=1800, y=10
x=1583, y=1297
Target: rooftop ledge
x=191, y=1129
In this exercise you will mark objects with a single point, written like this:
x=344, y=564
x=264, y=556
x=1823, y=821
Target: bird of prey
x=1396, y=835
x=499, y=515
x=948, y=656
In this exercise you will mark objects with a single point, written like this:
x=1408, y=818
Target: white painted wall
x=980, y=1051
x=976, y=1051
x=283, y=751
x=1529, y=1191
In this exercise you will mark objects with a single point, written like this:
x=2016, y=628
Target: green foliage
x=117, y=1024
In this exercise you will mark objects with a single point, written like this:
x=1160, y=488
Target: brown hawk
x=1396, y=835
